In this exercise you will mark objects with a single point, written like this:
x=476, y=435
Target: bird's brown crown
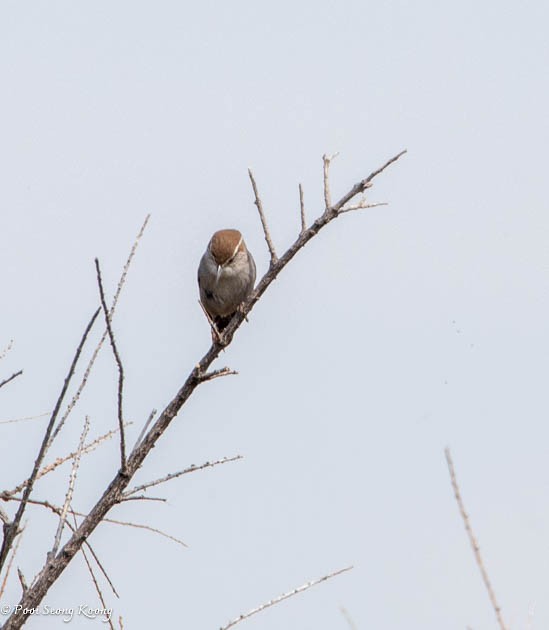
x=225, y=244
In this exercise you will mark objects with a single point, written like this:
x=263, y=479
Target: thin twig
x=6, y=349
x=7, y=380
x=362, y=206
x=40, y=415
x=120, y=368
x=10, y=564
x=326, y=161
x=94, y=579
x=57, y=510
x=281, y=598
x=22, y=581
x=4, y=517
x=175, y=475
x=11, y=531
x=143, y=497
x=348, y=618
x=70, y=489
x=144, y=429
x=88, y=448
x=96, y=585
x=302, y=209
x=147, y=527
x=473, y=541
x=91, y=362
x=101, y=568
x=266, y=232
x=209, y=376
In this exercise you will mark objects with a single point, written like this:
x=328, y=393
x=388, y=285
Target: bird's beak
x=218, y=273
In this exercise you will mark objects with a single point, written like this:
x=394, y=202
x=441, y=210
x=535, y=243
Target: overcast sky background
x=397, y=332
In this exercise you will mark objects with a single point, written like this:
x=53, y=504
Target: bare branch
x=11, y=531
x=302, y=209
x=120, y=368
x=209, y=376
x=7, y=380
x=473, y=541
x=113, y=493
x=91, y=362
x=70, y=489
x=281, y=598
x=175, y=475
x=326, y=161
x=266, y=232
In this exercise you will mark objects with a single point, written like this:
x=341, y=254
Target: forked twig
x=118, y=363
x=473, y=540
x=266, y=232
x=281, y=598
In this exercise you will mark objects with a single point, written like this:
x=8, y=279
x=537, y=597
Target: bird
x=226, y=276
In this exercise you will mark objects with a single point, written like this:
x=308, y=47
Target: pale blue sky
x=399, y=331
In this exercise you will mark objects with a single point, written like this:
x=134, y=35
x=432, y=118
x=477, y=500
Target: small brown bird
x=226, y=276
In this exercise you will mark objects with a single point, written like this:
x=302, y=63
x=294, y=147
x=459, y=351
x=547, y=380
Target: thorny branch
x=113, y=494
